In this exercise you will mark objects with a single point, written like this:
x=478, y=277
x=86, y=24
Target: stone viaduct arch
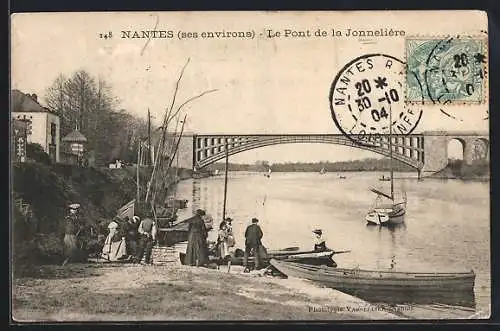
x=475, y=146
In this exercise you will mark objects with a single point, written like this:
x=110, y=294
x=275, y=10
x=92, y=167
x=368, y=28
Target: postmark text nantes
x=366, y=99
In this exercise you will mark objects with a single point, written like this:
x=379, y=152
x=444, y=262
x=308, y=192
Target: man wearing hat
x=132, y=235
x=147, y=235
x=253, y=243
x=71, y=231
x=320, y=245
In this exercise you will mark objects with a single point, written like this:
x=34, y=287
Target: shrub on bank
x=36, y=153
x=478, y=168
x=48, y=189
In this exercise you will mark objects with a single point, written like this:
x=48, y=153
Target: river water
x=447, y=224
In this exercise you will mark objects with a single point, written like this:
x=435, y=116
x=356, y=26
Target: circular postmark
x=455, y=71
x=367, y=100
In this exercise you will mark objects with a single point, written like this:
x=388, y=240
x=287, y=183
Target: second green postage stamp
x=450, y=70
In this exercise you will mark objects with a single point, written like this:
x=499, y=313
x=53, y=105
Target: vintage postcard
x=173, y=166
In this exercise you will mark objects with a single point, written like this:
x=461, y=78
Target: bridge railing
x=240, y=144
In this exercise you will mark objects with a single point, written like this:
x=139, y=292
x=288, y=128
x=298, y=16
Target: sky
x=264, y=85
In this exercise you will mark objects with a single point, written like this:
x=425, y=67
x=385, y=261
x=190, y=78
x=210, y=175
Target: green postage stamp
x=449, y=70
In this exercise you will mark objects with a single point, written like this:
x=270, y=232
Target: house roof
x=75, y=136
x=21, y=102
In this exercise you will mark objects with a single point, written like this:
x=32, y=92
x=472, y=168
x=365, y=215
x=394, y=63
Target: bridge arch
x=208, y=150
x=453, y=145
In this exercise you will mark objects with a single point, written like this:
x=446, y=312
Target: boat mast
x=390, y=154
x=225, y=181
x=149, y=138
x=138, y=165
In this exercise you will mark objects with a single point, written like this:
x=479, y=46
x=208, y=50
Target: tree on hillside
x=88, y=103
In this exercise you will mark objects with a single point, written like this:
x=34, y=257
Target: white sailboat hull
x=386, y=216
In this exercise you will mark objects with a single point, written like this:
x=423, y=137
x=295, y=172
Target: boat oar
x=340, y=252
x=290, y=249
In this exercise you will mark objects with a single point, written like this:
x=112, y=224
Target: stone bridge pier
x=475, y=146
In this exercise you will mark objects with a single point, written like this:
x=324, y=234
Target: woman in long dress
x=222, y=241
x=115, y=247
x=197, y=248
x=230, y=237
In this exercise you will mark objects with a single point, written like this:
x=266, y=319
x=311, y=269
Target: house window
x=53, y=133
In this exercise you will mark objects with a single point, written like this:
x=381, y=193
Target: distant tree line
x=367, y=164
x=88, y=103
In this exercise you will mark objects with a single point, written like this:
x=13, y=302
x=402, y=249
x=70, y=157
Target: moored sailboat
x=391, y=212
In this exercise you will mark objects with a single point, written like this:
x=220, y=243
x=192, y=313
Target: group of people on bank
x=127, y=239
x=197, y=252
x=132, y=239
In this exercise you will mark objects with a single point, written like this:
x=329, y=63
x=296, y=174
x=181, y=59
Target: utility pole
x=149, y=137
x=225, y=181
x=139, y=154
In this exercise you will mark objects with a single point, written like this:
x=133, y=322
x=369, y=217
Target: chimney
x=34, y=97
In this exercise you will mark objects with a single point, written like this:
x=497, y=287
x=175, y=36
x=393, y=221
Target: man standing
x=132, y=235
x=253, y=242
x=71, y=231
x=147, y=236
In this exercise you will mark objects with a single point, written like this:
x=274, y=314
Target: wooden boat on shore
x=178, y=232
x=396, y=286
x=305, y=257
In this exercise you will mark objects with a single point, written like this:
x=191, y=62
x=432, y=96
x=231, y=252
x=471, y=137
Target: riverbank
x=480, y=173
x=172, y=292
x=98, y=292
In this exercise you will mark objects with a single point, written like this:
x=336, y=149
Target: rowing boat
x=305, y=257
x=399, y=286
x=178, y=232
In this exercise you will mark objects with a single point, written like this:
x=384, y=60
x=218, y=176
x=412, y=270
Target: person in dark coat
x=132, y=235
x=197, y=248
x=147, y=236
x=253, y=243
x=71, y=231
